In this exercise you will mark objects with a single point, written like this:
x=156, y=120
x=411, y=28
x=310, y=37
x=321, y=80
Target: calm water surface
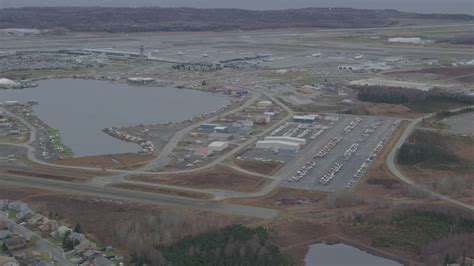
x=80, y=109
x=322, y=254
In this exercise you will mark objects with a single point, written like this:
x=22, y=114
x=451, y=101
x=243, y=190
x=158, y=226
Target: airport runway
x=137, y=196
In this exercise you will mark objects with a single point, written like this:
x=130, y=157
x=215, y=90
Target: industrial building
x=300, y=141
x=221, y=129
x=141, y=80
x=278, y=145
x=270, y=115
x=10, y=103
x=264, y=104
x=208, y=127
x=238, y=92
x=306, y=119
x=218, y=146
x=244, y=123
x=262, y=119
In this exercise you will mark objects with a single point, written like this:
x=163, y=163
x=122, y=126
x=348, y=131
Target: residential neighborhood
x=31, y=238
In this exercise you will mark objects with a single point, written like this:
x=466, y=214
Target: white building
x=299, y=141
x=218, y=146
x=278, y=145
x=412, y=40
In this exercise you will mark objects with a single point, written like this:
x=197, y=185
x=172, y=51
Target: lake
x=341, y=254
x=80, y=109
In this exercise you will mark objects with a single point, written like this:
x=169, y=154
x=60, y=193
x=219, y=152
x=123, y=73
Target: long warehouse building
x=288, y=139
x=278, y=145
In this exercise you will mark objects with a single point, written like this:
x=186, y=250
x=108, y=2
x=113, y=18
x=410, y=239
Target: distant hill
x=109, y=19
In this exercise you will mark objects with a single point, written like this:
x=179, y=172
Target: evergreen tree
x=77, y=228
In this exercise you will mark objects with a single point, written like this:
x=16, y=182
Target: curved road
x=162, y=157
x=392, y=167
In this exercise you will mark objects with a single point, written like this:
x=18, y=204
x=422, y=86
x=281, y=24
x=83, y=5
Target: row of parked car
x=353, y=124
x=371, y=157
x=371, y=129
x=327, y=178
x=300, y=174
x=329, y=147
x=349, y=152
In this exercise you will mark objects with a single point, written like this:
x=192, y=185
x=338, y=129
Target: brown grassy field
x=395, y=110
x=173, y=192
x=114, y=161
x=283, y=198
x=460, y=74
x=455, y=179
x=43, y=173
x=265, y=168
x=217, y=178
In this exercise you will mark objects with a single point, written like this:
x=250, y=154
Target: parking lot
x=343, y=160
x=311, y=133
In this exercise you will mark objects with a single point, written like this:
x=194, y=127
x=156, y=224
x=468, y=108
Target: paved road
x=392, y=166
x=219, y=194
x=42, y=245
x=138, y=196
x=162, y=158
x=168, y=148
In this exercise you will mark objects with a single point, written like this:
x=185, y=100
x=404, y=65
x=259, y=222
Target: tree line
x=428, y=148
x=399, y=95
x=233, y=245
x=431, y=232
x=447, y=113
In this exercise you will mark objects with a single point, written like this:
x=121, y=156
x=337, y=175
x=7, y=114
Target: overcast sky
x=421, y=6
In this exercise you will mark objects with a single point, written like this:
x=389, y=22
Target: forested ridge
x=142, y=19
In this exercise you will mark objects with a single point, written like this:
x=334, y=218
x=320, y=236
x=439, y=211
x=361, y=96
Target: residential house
x=84, y=246
x=17, y=206
x=16, y=243
x=32, y=258
x=61, y=231
x=37, y=219
x=101, y=261
x=91, y=254
x=3, y=204
x=21, y=209
x=8, y=261
x=4, y=234
x=49, y=226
